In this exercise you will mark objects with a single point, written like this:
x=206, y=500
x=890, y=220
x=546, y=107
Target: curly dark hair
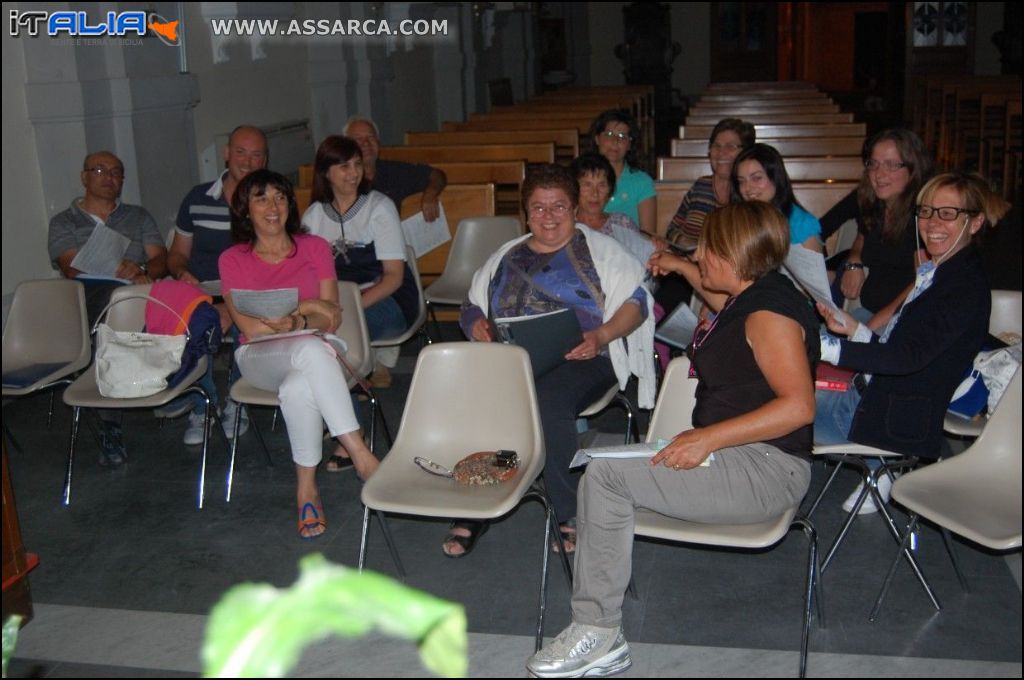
x=594, y=163
x=550, y=176
x=617, y=116
x=332, y=151
x=255, y=184
x=775, y=169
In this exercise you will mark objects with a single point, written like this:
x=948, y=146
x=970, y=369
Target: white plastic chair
x=465, y=397
x=976, y=494
x=130, y=315
x=1005, y=318
x=614, y=394
x=672, y=415
x=476, y=239
x=45, y=339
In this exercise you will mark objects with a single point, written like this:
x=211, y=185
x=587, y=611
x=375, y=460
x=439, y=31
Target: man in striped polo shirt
x=202, y=232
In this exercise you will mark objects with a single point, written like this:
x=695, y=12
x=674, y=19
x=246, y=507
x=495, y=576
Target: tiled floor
x=130, y=570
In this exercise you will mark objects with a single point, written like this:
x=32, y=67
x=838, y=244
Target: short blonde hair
x=752, y=236
x=975, y=193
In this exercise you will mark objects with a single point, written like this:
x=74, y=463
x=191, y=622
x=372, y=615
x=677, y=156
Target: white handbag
x=133, y=364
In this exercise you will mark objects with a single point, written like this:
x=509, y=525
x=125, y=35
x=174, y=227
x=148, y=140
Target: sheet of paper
x=678, y=327
x=424, y=236
x=807, y=268
x=641, y=450
x=266, y=304
x=102, y=253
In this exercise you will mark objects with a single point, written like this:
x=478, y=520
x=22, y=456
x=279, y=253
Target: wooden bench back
x=566, y=140
x=741, y=110
x=776, y=118
x=578, y=123
x=799, y=168
x=531, y=153
x=794, y=146
x=785, y=131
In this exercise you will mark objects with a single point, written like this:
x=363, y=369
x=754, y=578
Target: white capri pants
x=309, y=381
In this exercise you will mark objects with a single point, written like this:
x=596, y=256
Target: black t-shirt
x=731, y=383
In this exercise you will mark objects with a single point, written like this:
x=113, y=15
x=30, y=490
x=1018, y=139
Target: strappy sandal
x=311, y=517
x=568, y=531
x=475, y=529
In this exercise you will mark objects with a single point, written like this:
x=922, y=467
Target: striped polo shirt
x=205, y=217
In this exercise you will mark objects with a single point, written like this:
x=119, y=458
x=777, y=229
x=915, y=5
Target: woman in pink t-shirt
x=303, y=370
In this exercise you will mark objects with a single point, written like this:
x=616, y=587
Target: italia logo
x=77, y=24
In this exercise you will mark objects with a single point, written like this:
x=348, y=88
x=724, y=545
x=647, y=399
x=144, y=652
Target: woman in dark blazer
x=908, y=372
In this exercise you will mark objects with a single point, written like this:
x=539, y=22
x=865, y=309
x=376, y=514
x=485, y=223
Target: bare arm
x=882, y=316
x=432, y=194
x=778, y=346
x=814, y=244
x=623, y=322
x=664, y=262
x=853, y=279
x=391, y=281
x=64, y=263
x=178, y=257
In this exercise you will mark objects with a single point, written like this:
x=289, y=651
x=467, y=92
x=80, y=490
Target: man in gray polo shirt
x=144, y=260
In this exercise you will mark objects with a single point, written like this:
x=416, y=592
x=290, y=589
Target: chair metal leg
x=10, y=437
x=432, y=311
x=947, y=538
x=828, y=483
x=363, y=536
x=911, y=528
x=273, y=422
x=49, y=412
x=259, y=436
x=390, y=542
x=206, y=442
x=234, y=450
x=75, y=422
x=812, y=589
x=550, y=524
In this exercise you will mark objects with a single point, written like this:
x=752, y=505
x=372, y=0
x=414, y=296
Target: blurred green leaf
x=257, y=630
x=10, y=638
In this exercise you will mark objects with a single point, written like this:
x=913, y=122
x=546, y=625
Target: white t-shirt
x=376, y=221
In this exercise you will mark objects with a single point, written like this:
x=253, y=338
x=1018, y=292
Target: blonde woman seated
x=270, y=253
x=752, y=423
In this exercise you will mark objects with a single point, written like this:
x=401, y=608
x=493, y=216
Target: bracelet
x=853, y=265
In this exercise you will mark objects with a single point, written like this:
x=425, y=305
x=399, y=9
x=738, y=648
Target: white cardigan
x=620, y=274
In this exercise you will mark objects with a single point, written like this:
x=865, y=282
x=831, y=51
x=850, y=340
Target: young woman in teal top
x=759, y=174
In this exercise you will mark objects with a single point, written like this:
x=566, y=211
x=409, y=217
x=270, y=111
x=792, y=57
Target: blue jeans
x=385, y=319
x=833, y=415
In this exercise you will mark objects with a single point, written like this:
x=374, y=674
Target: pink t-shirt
x=311, y=263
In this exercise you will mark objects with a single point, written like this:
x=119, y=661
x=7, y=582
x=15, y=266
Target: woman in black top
x=755, y=403
x=880, y=265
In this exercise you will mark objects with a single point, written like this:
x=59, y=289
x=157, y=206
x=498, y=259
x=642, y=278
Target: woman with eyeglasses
x=561, y=264
x=909, y=371
x=615, y=133
x=879, y=267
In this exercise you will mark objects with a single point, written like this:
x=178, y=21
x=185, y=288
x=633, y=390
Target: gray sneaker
x=582, y=651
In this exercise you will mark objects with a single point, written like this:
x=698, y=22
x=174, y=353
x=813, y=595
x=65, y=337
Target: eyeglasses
x=871, y=165
x=725, y=147
x=946, y=214
x=100, y=171
x=612, y=135
x=556, y=210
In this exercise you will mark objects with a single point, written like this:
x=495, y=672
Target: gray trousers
x=743, y=485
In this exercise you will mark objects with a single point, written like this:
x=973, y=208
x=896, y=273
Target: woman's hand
x=663, y=262
x=853, y=281
x=838, y=321
x=588, y=349
x=285, y=324
x=482, y=331
x=686, y=451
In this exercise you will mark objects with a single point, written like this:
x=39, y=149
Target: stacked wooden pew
x=821, y=145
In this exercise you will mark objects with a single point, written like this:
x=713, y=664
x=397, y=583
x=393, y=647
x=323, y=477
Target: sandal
x=568, y=531
x=475, y=529
x=337, y=463
x=310, y=518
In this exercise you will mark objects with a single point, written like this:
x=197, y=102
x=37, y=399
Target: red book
x=833, y=378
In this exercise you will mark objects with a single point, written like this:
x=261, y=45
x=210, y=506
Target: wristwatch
x=143, y=266
x=853, y=265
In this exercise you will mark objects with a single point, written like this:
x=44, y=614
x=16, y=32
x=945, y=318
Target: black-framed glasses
x=945, y=213
x=889, y=165
x=100, y=171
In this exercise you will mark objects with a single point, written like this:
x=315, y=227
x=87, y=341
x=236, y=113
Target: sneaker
x=175, y=408
x=228, y=419
x=869, y=507
x=582, y=651
x=112, y=451
x=194, y=431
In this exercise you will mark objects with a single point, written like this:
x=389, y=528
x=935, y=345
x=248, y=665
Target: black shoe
x=112, y=452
